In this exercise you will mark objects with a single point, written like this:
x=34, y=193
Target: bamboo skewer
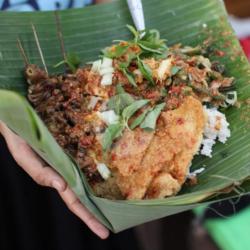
x=22, y=52
x=60, y=36
x=39, y=47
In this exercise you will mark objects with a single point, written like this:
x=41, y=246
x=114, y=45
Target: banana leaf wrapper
x=86, y=31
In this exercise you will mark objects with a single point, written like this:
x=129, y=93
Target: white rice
x=217, y=127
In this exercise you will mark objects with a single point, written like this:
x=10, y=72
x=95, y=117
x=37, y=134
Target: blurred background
x=240, y=19
x=240, y=8
x=225, y=225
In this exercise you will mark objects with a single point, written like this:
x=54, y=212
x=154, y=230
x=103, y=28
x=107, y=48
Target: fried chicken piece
x=163, y=185
x=128, y=152
x=165, y=163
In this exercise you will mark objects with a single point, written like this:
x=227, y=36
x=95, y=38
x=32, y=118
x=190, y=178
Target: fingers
x=46, y=176
x=30, y=162
x=1, y=124
x=79, y=210
x=49, y=178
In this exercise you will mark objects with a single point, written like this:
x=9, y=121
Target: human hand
x=44, y=175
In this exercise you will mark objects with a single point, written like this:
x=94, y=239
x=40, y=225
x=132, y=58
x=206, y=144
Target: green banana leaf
x=86, y=31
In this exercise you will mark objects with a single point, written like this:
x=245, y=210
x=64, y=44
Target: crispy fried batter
x=128, y=152
x=165, y=163
x=163, y=185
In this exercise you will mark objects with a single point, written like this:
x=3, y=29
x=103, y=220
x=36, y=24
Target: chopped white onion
x=137, y=72
x=164, y=68
x=96, y=66
x=109, y=117
x=107, y=62
x=93, y=101
x=104, y=71
x=195, y=172
x=103, y=170
x=107, y=79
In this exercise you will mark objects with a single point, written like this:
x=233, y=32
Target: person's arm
x=46, y=176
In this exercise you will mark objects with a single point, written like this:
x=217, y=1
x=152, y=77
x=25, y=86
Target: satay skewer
x=22, y=52
x=39, y=47
x=60, y=36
